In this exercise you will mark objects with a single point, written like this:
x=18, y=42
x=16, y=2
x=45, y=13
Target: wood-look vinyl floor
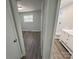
x=32, y=45
x=59, y=51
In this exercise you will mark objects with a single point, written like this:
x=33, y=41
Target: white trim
x=50, y=21
x=55, y=25
x=31, y=30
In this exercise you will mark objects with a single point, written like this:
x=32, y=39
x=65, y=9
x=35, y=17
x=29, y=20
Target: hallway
x=32, y=45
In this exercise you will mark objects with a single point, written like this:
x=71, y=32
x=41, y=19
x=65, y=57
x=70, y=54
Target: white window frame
x=28, y=18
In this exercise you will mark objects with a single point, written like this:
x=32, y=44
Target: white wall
x=66, y=18
x=31, y=26
x=29, y=5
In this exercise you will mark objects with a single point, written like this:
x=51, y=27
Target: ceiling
x=33, y=5
x=28, y=5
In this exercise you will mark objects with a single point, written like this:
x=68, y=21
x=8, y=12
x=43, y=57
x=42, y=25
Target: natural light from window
x=28, y=18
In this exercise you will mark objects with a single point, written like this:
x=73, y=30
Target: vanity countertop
x=69, y=31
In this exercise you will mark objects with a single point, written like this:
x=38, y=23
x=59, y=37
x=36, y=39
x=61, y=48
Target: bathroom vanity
x=66, y=39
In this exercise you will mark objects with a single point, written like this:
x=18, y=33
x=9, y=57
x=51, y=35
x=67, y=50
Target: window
x=28, y=18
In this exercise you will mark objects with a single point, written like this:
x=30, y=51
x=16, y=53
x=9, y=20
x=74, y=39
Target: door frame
x=47, y=54
x=49, y=27
x=55, y=26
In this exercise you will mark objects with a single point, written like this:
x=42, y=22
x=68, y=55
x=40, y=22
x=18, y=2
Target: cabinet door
x=64, y=37
x=70, y=42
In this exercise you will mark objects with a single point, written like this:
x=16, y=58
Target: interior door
x=12, y=44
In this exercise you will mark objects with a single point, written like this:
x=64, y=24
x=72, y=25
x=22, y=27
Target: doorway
x=30, y=19
x=62, y=47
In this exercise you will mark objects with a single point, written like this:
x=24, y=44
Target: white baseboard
x=31, y=30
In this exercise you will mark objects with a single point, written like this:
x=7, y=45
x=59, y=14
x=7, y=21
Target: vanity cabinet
x=66, y=39
x=70, y=42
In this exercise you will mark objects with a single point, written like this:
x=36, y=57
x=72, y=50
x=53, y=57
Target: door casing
x=49, y=26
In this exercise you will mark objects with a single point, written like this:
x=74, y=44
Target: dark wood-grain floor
x=32, y=45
